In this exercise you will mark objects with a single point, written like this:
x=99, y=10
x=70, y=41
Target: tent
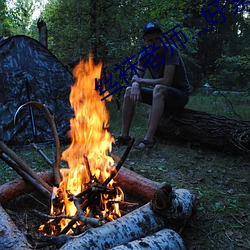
x=30, y=72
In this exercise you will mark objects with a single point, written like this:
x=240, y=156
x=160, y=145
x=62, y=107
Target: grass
x=219, y=180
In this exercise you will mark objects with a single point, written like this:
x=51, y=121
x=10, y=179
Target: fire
x=88, y=155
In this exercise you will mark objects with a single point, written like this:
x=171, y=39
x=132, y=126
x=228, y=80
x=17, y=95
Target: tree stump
x=212, y=131
x=43, y=32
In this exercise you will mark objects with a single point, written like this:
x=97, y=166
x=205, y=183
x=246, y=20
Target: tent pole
x=33, y=125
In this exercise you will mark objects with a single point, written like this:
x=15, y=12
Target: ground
x=219, y=180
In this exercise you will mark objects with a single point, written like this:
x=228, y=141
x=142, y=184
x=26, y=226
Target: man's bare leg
x=128, y=110
x=156, y=112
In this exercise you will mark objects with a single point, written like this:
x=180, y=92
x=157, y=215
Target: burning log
x=216, y=132
x=163, y=239
x=136, y=185
x=165, y=210
x=10, y=237
x=140, y=187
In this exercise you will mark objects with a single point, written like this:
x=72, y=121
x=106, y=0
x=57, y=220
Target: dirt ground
x=220, y=182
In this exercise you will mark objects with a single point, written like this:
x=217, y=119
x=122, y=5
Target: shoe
x=121, y=141
x=146, y=144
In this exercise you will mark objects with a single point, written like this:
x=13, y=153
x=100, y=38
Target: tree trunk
x=43, y=32
x=212, y=131
x=10, y=237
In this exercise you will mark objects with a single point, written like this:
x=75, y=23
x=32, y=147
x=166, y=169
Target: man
x=168, y=90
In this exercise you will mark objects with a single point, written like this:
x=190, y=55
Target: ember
x=87, y=188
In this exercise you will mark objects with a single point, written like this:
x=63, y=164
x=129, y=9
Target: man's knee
x=127, y=92
x=159, y=91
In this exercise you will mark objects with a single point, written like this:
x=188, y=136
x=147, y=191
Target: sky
x=38, y=3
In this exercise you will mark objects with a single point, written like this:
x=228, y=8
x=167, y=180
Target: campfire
x=87, y=198
x=87, y=188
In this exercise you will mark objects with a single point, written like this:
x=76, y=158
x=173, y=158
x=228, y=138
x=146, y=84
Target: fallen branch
x=23, y=165
x=18, y=187
x=26, y=176
x=120, y=163
x=57, y=174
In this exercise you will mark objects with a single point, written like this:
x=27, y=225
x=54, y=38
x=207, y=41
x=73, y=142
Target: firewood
x=150, y=218
x=136, y=185
x=23, y=165
x=10, y=237
x=26, y=176
x=163, y=239
x=18, y=187
x=132, y=183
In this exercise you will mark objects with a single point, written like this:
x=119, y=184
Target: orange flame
x=90, y=139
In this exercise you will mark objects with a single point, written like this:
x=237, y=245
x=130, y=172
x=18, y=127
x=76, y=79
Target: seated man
x=167, y=91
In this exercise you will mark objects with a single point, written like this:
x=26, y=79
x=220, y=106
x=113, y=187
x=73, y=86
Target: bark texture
x=212, y=131
x=10, y=237
x=162, y=240
x=131, y=182
x=15, y=188
x=167, y=209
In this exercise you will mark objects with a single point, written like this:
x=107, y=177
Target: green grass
x=234, y=106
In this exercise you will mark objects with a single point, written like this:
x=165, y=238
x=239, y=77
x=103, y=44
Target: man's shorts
x=175, y=99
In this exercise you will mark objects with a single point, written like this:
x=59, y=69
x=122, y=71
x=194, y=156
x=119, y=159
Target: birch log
x=150, y=218
x=10, y=237
x=162, y=240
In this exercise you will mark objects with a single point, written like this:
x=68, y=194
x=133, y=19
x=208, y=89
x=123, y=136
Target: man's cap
x=149, y=26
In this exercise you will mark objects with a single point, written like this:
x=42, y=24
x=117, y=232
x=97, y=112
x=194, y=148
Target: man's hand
x=135, y=93
x=136, y=79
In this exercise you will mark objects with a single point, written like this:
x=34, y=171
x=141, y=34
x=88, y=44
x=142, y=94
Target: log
x=136, y=185
x=131, y=182
x=211, y=131
x=10, y=237
x=18, y=187
x=22, y=164
x=150, y=218
x=26, y=176
x=163, y=239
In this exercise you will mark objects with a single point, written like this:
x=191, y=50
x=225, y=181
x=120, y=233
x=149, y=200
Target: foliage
x=111, y=30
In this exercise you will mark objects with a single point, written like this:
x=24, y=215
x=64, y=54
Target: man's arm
x=167, y=79
x=135, y=93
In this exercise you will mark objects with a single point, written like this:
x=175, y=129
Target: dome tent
x=30, y=72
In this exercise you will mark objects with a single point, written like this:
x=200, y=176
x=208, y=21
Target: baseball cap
x=149, y=26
